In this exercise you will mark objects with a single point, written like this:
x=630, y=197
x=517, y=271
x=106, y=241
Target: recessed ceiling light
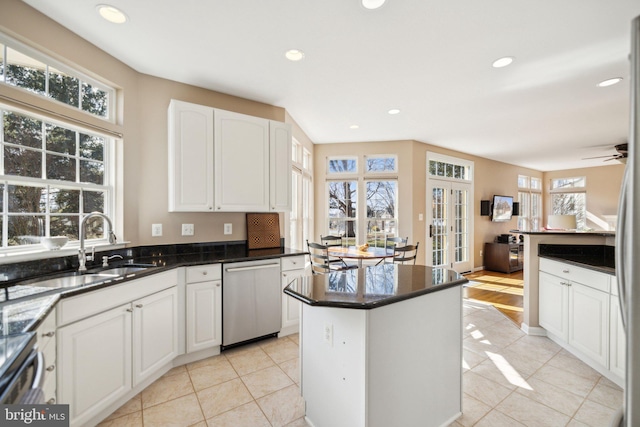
x=354, y=127
x=393, y=111
x=294, y=55
x=502, y=62
x=610, y=82
x=111, y=14
x=372, y=4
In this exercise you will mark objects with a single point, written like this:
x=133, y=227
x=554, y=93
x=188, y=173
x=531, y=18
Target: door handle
x=252, y=267
x=430, y=230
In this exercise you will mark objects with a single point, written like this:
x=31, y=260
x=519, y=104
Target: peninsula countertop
x=372, y=286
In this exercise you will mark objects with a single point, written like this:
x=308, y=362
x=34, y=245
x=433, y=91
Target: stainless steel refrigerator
x=628, y=248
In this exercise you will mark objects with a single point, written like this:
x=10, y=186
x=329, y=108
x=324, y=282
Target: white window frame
x=581, y=217
x=302, y=201
x=361, y=177
x=6, y=41
x=109, y=188
x=528, y=188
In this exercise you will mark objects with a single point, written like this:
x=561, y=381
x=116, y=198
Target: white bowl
x=54, y=243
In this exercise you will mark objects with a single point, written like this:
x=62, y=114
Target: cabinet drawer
x=46, y=331
x=587, y=277
x=204, y=273
x=82, y=306
x=292, y=263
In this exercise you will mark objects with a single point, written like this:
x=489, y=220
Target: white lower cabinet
x=95, y=362
x=155, y=333
x=46, y=333
x=291, y=268
x=589, y=322
x=617, y=336
x=104, y=352
x=577, y=310
x=204, y=307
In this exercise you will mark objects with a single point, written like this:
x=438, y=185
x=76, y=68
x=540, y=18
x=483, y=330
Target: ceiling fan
x=621, y=156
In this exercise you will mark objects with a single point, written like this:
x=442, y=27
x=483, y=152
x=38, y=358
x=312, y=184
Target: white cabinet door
x=589, y=322
x=155, y=332
x=94, y=362
x=280, y=166
x=190, y=157
x=553, y=304
x=617, y=339
x=290, y=305
x=241, y=159
x=204, y=315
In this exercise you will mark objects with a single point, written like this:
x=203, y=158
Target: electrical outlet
x=228, y=228
x=156, y=230
x=187, y=229
x=420, y=217
x=328, y=334
x=480, y=253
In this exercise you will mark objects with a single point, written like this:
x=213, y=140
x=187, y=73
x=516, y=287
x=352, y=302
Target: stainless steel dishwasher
x=251, y=300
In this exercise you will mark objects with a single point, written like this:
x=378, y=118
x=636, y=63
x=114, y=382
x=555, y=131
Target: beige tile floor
x=510, y=379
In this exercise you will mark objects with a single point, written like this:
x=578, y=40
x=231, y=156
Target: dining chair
x=321, y=262
x=331, y=240
x=391, y=243
x=406, y=254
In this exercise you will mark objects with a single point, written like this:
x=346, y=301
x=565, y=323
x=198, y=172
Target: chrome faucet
x=82, y=254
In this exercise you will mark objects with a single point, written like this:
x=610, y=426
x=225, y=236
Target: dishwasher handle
x=252, y=267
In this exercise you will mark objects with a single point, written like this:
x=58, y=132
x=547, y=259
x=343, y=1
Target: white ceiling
x=429, y=58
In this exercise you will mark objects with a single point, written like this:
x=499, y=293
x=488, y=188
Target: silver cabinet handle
x=218, y=284
x=51, y=368
x=129, y=310
x=565, y=271
x=51, y=401
x=205, y=272
x=49, y=334
x=138, y=305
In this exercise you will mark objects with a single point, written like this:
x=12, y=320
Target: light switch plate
x=156, y=230
x=228, y=228
x=187, y=229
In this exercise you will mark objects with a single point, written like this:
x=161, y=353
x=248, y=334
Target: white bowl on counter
x=55, y=242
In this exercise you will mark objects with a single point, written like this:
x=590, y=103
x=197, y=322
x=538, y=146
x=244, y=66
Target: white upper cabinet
x=223, y=161
x=241, y=159
x=280, y=166
x=190, y=157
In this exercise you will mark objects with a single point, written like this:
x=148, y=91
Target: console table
x=503, y=257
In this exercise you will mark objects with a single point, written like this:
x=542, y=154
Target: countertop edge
x=606, y=270
x=373, y=304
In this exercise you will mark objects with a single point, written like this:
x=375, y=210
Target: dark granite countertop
x=594, y=257
x=568, y=232
x=372, y=286
x=23, y=304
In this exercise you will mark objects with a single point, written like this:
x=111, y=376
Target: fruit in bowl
x=55, y=242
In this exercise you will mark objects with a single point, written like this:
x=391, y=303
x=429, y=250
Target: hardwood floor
x=503, y=291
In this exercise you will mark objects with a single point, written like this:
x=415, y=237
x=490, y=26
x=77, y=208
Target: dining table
x=352, y=252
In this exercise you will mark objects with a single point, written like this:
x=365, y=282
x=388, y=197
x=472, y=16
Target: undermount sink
x=122, y=271
x=73, y=281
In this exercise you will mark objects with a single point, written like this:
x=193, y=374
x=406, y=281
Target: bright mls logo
x=34, y=415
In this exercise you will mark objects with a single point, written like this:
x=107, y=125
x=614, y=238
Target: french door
x=449, y=231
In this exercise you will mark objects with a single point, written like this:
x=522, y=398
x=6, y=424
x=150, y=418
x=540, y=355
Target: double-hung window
x=53, y=169
x=51, y=175
x=301, y=196
x=367, y=181
x=530, y=199
x=569, y=197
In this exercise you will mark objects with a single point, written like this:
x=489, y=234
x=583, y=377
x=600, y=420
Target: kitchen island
x=381, y=346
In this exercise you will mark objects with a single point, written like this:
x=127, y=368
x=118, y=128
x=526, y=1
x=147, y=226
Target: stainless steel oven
x=21, y=370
